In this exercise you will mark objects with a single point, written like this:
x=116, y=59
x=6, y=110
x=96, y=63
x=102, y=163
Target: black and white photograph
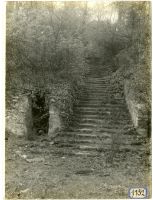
x=78, y=100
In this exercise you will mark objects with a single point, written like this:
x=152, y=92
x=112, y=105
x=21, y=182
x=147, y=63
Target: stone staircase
x=101, y=122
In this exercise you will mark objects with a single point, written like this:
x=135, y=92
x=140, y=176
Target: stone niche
x=19, y=116
x=55, y=121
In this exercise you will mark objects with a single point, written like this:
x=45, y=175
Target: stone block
x=19, y=117
x=55, y=123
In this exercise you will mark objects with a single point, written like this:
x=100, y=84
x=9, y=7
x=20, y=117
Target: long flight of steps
x=101, y=122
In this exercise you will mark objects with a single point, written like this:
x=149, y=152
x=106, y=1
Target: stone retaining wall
x=61, y=102
x=55, y=121
x=19, y=116
x=137, y=111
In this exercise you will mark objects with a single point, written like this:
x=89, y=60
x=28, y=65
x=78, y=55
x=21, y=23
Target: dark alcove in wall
x=40, y=113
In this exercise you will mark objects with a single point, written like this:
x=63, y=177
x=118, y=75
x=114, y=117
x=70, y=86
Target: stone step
x=94, y=81
x=90, y=85
x=97, y=76
x=97, y=88
x=90, y=104
x=85, y=153
x=81, y=108
x=94, y=90
x=86, y=125
x=75, y=141
x=81, y=121
x=114, y=104
x=101, y=93
x=75, y=135
x=91, y=92
x=100, y=96
x=99, y=130
x=96, y=152
x=96, y=95
x=101, y=147
x=84, y=138
x=88, y=121
x=101, y=114
x=117, y=109
x=99, y=70
x=98, y=124
x=84, y=112
x=103, y=125
x=110, y=122
x=87, y=130
x=97, y=79
x=92, y=100
x=111, y=118
x=86, y=116
x=105, y=112
x=96, y=84
x=92, y=74
x=88, y=147
x=75, y=153
x=80, y=147
x=102, y=109
x=90, y=135
x=98, y=138
x=84, y=135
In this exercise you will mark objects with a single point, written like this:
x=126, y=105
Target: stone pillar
x=54, y=119
x=19, y=117
x=29, y=119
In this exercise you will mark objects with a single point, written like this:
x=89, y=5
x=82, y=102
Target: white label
x=138, y=193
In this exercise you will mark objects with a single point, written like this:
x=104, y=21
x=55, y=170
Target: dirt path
x=34, y=171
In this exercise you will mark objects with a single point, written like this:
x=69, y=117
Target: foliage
x=64, y=96
x=45, y=52
x=43, y=45
x=134, y=61
x=47, y=45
